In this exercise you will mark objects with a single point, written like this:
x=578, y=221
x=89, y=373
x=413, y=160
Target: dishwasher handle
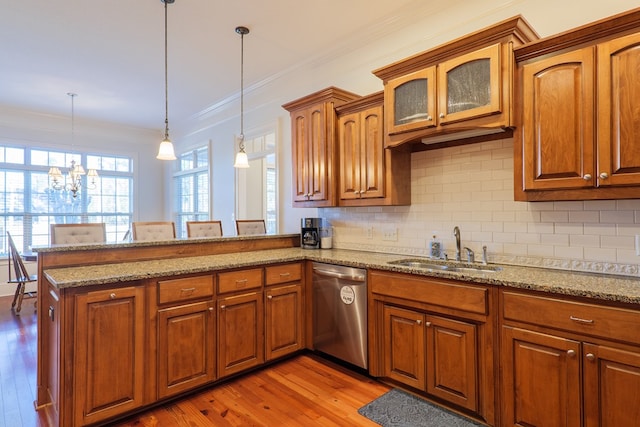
x=338, y=275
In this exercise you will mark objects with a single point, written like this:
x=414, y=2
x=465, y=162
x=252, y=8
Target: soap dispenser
x=435, y=248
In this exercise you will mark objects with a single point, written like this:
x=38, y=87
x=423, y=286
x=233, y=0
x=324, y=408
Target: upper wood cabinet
x=458, y=90
x=313, y=146
x=578, y=124
x=369, y=173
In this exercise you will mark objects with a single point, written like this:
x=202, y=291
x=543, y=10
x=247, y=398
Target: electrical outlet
x=390, y=234
x=370, y=232
x=637, y=244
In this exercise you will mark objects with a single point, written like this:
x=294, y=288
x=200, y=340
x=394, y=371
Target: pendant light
x=165, y=152
x=73, y=181
x=241, y=157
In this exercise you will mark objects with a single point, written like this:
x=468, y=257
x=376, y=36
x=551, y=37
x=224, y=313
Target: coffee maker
x=310, y=233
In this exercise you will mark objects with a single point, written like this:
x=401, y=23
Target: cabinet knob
x=222, y=307
x=428, y=324
x=442, y=115
x=590, y=357
x=419, y=322
x=112, y=295
x=571, y=353
x=429, y=118
x=587, y=177
x=604, y=175
x=210, y=308
x=269, y=296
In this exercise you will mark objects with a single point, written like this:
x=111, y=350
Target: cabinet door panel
x=612, y=386
x=558, y=116
x=283, y=327
x=470, y=86
x=317, y=151
x=109, y=350
x=452, y=366
x=240, y=333
x=300, y=156
x=541, y=380
x=410, y=101
x=372, y=154
x=185, y=347
x=349, y=134
x=404, y=346
x=619, y=112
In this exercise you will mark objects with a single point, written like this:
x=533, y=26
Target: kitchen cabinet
x=578, y=125
x=240, y=321
x=369, y=173
x=186, y=334
x=568, y=363
x=313, y=147
x=284, y=325
x=434, y=336
x=108, y=383
x=459, y=90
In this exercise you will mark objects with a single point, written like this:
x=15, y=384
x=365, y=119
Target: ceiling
x=111, y=53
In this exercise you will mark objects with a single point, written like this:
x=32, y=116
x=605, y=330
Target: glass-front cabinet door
x=469, y=85
x=411, y=101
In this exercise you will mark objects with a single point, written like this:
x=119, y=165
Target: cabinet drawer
x=587, y=319
x=239, y=280
x=440, y=292
x=188, y=288
x=283, y=273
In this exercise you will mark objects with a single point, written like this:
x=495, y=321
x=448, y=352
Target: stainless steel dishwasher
x=340, y=312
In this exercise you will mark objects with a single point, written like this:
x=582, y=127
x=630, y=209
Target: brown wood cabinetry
x=240, y=322
x=568, y=363
x=108, y=353
x=578, y=126
x=369, y=173
x=435, y=336
x=283, y=310
x=186, y=334
x=313, y=147
x=455, y=91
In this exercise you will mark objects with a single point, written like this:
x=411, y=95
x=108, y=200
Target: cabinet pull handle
x=112, y=295
x=285, y=274
x=579, y=320
x=587, y=177
x=604, y=175
x=187, y=290
x=241, y=282
x=51, y=312
x=571, y=353
x=590, y=357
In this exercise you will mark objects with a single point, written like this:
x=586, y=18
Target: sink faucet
x=471, y=256
x=456, y=234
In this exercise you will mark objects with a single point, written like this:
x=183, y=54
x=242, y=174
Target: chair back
x=204, y=228
x=15, y=261
x=250, y=226
x=153, y=230
x=65, y=234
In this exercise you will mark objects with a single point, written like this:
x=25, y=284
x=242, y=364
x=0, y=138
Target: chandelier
x=73, y=180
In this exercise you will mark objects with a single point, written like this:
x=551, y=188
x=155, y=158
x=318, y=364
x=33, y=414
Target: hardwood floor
x=302, y=391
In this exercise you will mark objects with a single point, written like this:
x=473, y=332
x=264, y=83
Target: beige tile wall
x=472, y=187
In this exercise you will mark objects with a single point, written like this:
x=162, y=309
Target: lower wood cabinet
x=568, y=363
x=240, y=333
x=109, y=349
x=283, y=320
x=186, y=352
x=434, y=336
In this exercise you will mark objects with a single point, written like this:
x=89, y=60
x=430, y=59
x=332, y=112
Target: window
x=191, y=183
x=28, y=204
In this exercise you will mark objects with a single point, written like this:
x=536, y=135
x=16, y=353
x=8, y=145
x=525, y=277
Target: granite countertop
x=598, y=286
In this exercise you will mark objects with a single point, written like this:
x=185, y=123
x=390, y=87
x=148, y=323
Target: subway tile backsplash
x=472, y=187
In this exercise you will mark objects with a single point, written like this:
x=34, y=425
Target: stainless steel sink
x=428, y=265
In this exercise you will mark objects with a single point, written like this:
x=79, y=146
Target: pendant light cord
x=166, y=78
x=242, y=89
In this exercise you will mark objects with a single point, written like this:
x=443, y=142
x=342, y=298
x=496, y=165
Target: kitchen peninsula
x=152, y=300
